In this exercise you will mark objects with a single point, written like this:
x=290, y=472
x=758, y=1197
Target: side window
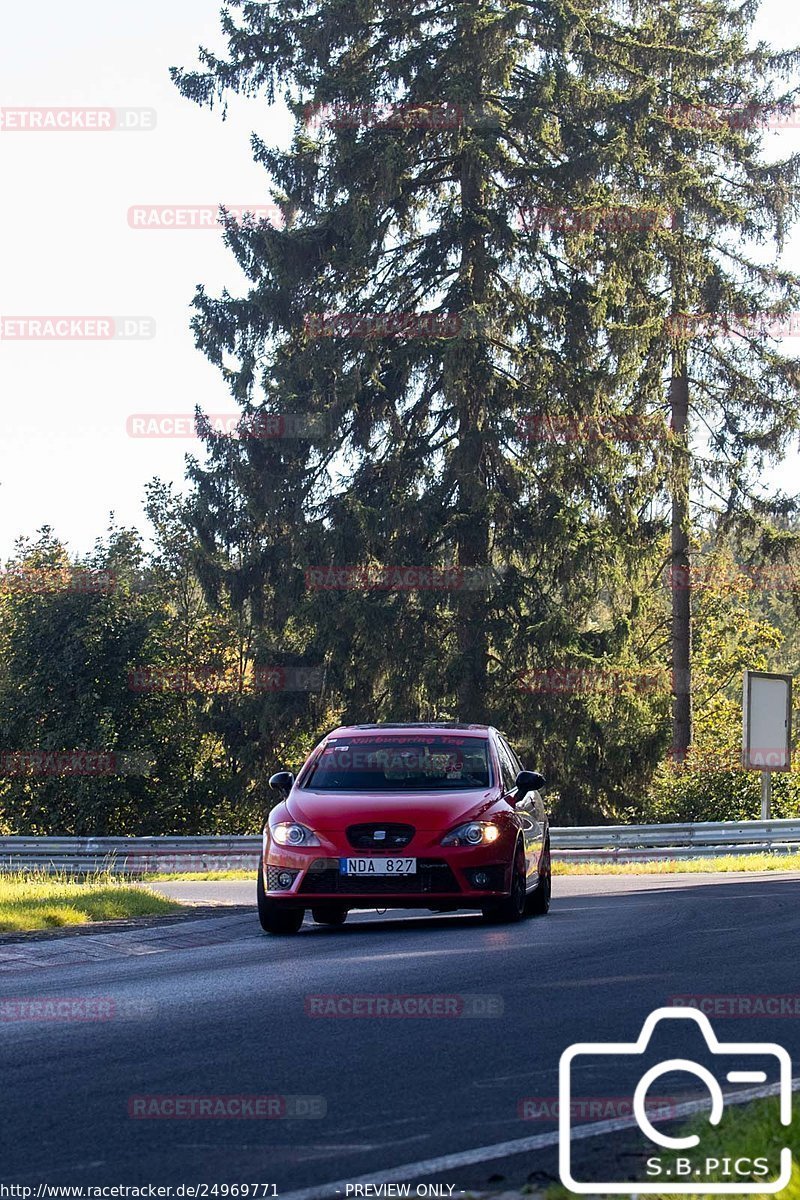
x=506, y=765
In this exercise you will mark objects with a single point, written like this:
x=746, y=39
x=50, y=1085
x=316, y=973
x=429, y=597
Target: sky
x=70, y=246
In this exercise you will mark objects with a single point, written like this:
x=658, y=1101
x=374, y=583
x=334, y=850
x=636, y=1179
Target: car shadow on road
x=410, y=922
x=747, y=892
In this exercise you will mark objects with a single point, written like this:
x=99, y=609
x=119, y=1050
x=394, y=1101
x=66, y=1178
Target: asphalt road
x=212, y=1007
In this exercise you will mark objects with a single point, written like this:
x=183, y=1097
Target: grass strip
x=725, y=862
x=682, y=866
x=747, y=1131
x=35, y=900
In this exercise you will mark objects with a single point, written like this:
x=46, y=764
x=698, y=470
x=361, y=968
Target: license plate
x=378, y=866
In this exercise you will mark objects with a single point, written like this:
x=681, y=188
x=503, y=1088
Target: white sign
x=767, y=721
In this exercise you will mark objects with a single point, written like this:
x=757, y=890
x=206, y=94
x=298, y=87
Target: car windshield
x=400, y=764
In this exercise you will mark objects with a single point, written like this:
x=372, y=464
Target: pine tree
x=443, y=141
x=694, y=99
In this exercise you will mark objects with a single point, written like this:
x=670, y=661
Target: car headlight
x=474, y=833
x=289, y=833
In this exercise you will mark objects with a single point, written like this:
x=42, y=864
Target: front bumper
x=443, y=876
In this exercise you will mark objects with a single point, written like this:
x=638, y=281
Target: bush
x=699, y=791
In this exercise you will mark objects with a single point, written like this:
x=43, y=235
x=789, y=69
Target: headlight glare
x=290, y=833
x=473, y=833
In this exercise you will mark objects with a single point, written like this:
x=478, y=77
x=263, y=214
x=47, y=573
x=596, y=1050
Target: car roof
x=353, y=731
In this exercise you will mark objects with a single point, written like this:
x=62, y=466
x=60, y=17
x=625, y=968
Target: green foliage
x=703, y=790
x=432, y=449
x=428, y=458
x=30, y=901
x=575, y=111
x=730, y=634
x=74, y=635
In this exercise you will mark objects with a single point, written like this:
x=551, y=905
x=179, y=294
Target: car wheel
x=538, y=903
x=329, y=914
x=511, y=907
x=275, y=915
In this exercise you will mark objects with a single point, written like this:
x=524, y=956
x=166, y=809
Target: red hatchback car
x=434, y=816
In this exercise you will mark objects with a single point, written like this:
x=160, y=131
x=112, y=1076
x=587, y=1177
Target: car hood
x=426, y=811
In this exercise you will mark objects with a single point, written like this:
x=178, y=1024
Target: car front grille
x=365, y=837
x=431, y=876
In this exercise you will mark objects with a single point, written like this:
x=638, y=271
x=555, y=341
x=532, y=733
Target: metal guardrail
x=696, y=839
x=585, y=843
x=129, y=855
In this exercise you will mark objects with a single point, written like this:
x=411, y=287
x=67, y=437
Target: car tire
x=512, y=907
x=538, y=903
x=329, y=914
x=276, y=916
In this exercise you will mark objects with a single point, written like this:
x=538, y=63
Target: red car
x=434, y=816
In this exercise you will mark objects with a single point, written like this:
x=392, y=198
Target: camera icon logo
x=672, y=1169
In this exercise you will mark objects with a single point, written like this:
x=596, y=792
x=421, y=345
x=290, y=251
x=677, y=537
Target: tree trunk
x=680, y=573
x=470, y=389
x=472, y=544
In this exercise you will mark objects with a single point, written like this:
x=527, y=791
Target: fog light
x=480, y=879
x=285, y=879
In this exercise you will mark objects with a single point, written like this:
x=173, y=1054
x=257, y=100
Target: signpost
x=766, y=728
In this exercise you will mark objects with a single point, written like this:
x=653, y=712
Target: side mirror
x=529, y=781
x=282, y=782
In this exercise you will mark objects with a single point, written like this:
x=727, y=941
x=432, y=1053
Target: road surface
x=210, y=1007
